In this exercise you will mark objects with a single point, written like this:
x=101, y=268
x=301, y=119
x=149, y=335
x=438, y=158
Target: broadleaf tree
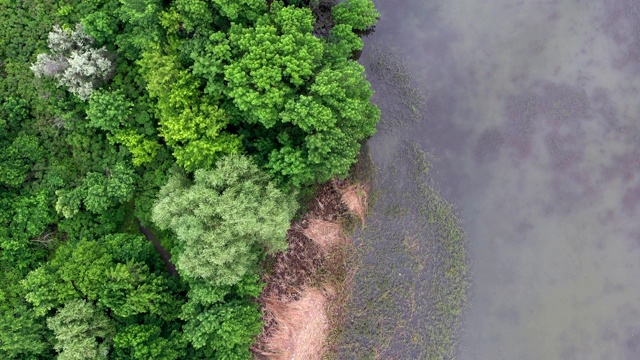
x=224, y=219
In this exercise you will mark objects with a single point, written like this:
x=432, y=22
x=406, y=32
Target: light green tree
x=192, y=125
x=143, y=150
x=82, y=331
x=360, y=14
x=224, y=219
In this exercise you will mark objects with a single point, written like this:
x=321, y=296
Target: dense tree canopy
x=294, y=100
x=136, y=135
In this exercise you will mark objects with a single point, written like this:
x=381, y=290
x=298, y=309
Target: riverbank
x=308, y=286
x=399, y=287
x=412, y=280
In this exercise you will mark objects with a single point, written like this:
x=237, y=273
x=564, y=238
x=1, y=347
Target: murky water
x=533, y=114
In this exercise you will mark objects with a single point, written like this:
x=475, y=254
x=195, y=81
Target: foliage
x=103, y=104
x=99, y=271
x=142, y=342
x=73, y=62
x=81, y=331
x=222, y=320
x=360, y=14
x=241, y=9
x=334, y=117
x=191, y=125
x=223, y=219
x=108, y=110
x=21, y=334
x=224, y=331
x=143, y=150
x=260, y=89
x=98, y=191
x=301, y=107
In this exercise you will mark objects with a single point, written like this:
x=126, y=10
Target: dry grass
x=300, y=328
x=355, y=197
x=305, y=292
x=293, y=269
x=324, y=233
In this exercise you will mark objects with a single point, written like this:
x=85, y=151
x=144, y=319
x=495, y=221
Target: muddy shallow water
x=531, y=111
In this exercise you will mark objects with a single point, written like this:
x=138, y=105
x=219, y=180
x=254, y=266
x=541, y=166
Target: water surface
x=532, y=113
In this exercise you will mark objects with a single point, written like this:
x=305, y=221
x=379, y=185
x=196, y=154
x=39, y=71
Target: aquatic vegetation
x=412, y=278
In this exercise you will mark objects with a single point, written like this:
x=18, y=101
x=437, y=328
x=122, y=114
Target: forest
x=153, y=154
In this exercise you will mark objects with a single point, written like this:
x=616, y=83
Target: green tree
x=82, y=331
x=113, y=272
x=17, y=159
x=224, y=330
x=272, y=61
x=360, y=14
x=108, y=110
x=98, y=191
x=335, y=116
x=223, y=219
x=131, y=289
x=102, y=26
x=145, y=341
x=223, y=321
x=301, y=107
x=236, y=10
x=21, y=334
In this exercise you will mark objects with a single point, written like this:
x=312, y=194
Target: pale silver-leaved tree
x=73, y=62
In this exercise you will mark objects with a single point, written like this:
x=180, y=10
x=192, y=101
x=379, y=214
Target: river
x=531, y=114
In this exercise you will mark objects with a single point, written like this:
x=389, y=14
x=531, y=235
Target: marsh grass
x=404, y=102
x=308, y=285
x=411, y=279
x=301, y=326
